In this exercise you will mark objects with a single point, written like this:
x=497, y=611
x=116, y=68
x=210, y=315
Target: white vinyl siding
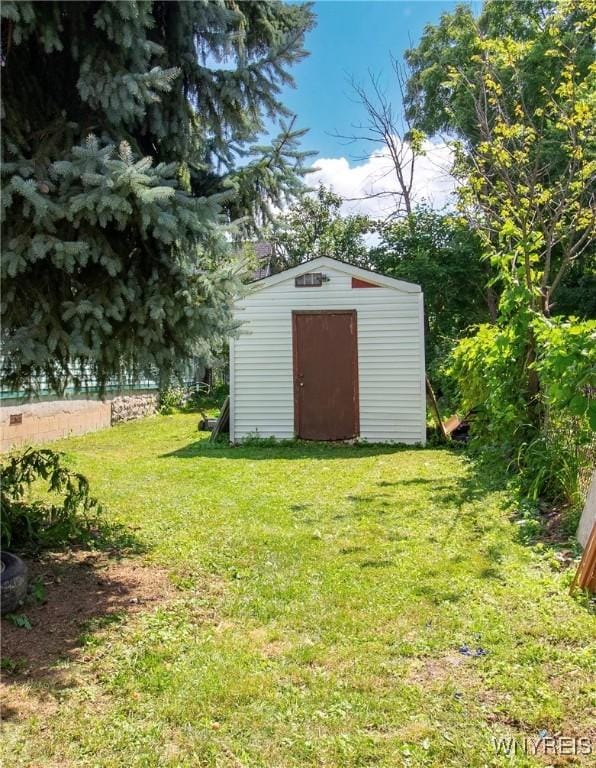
x=390, y=357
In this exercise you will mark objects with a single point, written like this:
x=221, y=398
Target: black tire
x=13, y=582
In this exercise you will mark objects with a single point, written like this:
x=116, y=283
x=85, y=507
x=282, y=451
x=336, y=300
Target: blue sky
x=351, y=38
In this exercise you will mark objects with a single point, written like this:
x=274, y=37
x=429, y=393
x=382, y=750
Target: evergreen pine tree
x=127, y=154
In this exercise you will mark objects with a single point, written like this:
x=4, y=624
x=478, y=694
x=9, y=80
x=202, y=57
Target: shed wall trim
x=232, y=390
x=313, y=265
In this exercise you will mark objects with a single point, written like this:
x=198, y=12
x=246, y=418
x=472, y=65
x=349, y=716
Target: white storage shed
x=328, y=351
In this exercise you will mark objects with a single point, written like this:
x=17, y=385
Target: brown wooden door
x=325, y=375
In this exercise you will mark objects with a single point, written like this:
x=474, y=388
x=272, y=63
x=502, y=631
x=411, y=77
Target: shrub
x=488, y=369
x=213, y=399
x=30, y=524
x=552, y=456
x=170, y=399
x=566, y=364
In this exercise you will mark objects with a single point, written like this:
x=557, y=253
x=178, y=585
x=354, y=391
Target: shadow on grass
x=76, y=590
x=479, y=481
x=286, y=450
x=94, y=533
x=85, y=592
x=115, y=539
x=486, y=476
x=420, y=481
x=483, y=476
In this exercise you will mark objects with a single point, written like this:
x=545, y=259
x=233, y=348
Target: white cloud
x=432, y=183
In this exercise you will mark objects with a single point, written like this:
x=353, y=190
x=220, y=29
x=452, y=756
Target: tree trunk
x=435, y=409
x=535, y=410
x=492, y=303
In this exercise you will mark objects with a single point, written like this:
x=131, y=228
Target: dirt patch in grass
x=21, y=701
x=81, y=591
x=439, y=670
x=270, y=646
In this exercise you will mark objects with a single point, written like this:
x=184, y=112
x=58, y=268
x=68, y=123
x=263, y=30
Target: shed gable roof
x=341, y=266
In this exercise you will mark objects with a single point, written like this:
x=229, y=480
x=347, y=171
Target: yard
x=303, y=605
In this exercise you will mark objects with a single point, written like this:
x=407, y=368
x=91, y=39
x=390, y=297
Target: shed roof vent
x=310, y=280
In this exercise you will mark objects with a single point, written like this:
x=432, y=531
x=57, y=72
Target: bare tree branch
x=391, y=129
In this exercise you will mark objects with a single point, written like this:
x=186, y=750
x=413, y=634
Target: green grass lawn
x=323, y=595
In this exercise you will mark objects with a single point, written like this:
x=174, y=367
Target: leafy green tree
x=128, y=149
x=511, y=70
x=438, y=104
x=533, y=207
x=444, y=256
x=314, y=227
x=527, y=185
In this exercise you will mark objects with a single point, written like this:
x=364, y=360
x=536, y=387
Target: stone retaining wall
x=42, y=422
x=134, y=406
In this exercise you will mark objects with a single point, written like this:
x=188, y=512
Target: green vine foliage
x=491, y=370
x=29, y=523
x=516, y=85
x=488, y=369
x=567, y=365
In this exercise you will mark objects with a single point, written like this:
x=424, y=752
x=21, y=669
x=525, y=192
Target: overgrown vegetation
x=551, y=456
x=175, y=398
x=326, y=598
x=516, y=85
x=43, y=503
x=171, y=398
x=213, y=398
x=440, y=252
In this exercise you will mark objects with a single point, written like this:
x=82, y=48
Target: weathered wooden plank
x=223, y=422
